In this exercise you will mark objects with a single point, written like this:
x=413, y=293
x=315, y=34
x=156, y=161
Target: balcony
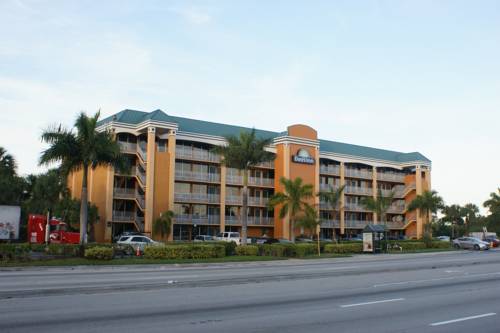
x=252, y=220
x=355, y=173
x=197, y=197
x=395, y=225
x=323, y=205
x=330, y=170
x=391, y=177
x=141, y=201
x=130, y=173
x=330, y=224
x=127, y=147
x=141, y=151
x=141, y=176
x=197, y=176
x=356, y=224
x=234, y=180
x=397, y=207
x=257, y=201
x=358, y=190
x=197, y=219
x=328, y=187
x=356, y=207
x=234, y=200
x=123, y=216
x=257, y=181
x=196, y=155
x=267, y=165
x=123, y=193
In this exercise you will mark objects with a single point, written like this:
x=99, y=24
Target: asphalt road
x=441, y=292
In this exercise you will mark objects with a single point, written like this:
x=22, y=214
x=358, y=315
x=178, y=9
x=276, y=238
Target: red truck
x=58, y=233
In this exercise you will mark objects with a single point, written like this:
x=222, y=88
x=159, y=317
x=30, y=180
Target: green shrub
x=229, y=247
x=247, y=250
x=305, y=249
x=67, y=250
x=19, y=251
x=184, y=251
x=272, y=250
x=99, y=253
x=351, y=247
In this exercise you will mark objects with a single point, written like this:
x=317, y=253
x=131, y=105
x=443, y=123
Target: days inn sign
x=303, y=157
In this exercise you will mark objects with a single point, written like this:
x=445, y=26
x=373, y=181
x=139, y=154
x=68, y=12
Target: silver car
x=470, y=243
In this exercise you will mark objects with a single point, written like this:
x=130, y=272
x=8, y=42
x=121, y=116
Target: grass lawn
x=133, y=261
x=424, y=250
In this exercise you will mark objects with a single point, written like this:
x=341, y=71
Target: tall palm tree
x=244, y=152
x=332, y=198
x=86, y=148
x=493, y=203
x=429, y=202
x=163, y=224
x=293, y=200
x=310, y=221
x=7, y=164
x=378, y=205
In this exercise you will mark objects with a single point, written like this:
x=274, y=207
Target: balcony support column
x=342, y=199
x=150, y=177
x=419, y=190
x=374, y=194
x=223, y=171
x=171, y=176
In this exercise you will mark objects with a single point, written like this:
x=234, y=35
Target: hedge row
x=188, y=251
x=344, y=248
x=99, y=253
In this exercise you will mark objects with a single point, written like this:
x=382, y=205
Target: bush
x=272, y=250
x=409, y=246
x=351, y=247
x=185, y=251
x=99, y=253
x=229, y=247
x=67, y=250
x=20, y=251
x=247, y=250
x=305, y=249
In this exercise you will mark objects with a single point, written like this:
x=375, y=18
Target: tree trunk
x=292, y=230
x=84, y=208
x=244, y=213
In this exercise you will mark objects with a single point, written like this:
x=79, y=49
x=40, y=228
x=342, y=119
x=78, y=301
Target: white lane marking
x=373, y=302
x=463, y=319
x=435, y=279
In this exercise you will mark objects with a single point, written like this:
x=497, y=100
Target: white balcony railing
x=123, y=216
x=330, y=170
x=330, y=224
x=328, y=187
x=141, y=150
x=197, y=197
x=391, y=176
x=234, y=179
x=355, y=173
x=197, y=219
x=269, y=164
x=356, y=224
x=350, y=206
x=123, y=192
x=358, y=190
x=196, y=154
x=197, y=176
x=252, y=220
x=140, y=200
x=141, y=176
x=261, y=181
x=127, y=147
x=234, y=200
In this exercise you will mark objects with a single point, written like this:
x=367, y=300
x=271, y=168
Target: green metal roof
x=209, y=128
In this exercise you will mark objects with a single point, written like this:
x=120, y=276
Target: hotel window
x=181, y=188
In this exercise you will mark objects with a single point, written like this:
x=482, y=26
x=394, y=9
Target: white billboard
x=9, y=222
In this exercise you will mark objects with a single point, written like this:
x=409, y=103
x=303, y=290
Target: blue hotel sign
x=303, y=157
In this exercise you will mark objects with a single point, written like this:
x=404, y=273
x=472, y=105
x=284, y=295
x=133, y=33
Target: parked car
x=443, y=238
x=231, y=237
x=137, y=241
x=203, y=238
x=127, y=233
x=276, y=241
x=304, y=240
x=494, y=242
x=470, y=243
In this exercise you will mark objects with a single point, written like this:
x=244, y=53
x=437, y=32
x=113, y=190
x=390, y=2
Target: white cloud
x=194, y=15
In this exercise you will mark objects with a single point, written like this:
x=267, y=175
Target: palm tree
x=293, y=200
x=493, y=203
x=429, y=202
x=311, y=222
x=7, y=164
x=378, y=205
x=163, y=224
x=332, y=199
x=244, y=152
x=82, y=150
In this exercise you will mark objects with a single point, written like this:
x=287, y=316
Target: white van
x=229, y=237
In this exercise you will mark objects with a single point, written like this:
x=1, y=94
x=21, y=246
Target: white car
x=443, y=238
x=229, y=237
x=137, y=241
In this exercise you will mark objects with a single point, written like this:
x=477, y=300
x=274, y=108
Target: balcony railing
x=198, y=155
x=197, y=197
x=123, y=192
x=141, y=176
x=234, y=200
x=355, y=173
x=127, y=147
x=391, y=176
x=252, y=220
x=395, y=225
x=329, y=170
x=260, y=181
x=397, y=207
x=358, y=190
x=234, y=179
x=269, y=164
x=197, y=176
x=330, y=224
x=349, y=206
x=356, y=224
x=197, y=219
x=140, y=200
x=123, y=216
x=328, y=187
x=141, y=150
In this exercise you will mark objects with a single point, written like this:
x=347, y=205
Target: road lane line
x=435, y=279
x=373, y=302
x=463, y=319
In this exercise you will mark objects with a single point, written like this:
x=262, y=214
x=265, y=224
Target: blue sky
x=402, y=75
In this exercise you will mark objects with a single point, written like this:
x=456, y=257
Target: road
x=439, y=292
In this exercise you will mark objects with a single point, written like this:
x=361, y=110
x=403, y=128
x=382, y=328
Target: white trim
x=371, y=161
x=295, y=140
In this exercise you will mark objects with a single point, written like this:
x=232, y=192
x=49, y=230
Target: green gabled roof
x=368, y=152
x=216, y=129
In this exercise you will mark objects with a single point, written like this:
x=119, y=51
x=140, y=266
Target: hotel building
x=174, y=168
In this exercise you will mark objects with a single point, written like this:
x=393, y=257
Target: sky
x=400, y=75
